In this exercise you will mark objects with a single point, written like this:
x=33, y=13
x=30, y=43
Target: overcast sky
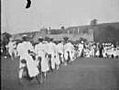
x=54, y=13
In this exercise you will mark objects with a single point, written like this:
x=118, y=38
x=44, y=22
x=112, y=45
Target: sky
x=15, y=18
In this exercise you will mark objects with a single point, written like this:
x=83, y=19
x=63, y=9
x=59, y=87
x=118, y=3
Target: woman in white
x=50, y=49
x=97, y=52
x=56, y=57
x=31, y=66
x=86, y=52
x=22, y=50
x=40, y=50
x=68, y=50
x=80, y=49
x=60, y=51
x=104, y=52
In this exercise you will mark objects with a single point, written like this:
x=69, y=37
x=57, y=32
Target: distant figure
x=100, y=51
x=28, y=4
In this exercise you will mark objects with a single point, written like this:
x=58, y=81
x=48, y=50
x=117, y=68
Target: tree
x=5, y=38
x=62, y=27
x=4, y=41
x=93, y=22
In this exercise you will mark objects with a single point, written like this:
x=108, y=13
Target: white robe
x=12, y=48
x=87, y=52
x=104, y=53
x=51, y=50
x=68, y=47
x=40, y=50
x=80, y=49
x=60, y=50
x=31, y=66
x=22, y=50
x=57, y=59
x=97, y=53
x=92, y=51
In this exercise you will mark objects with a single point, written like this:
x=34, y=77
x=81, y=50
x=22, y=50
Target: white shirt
x=68, y=46
x=39, y=48
x=50, y=47
x=23, y=48
x=80, y=46
x=60, y=47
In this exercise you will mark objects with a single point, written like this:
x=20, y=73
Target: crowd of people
x=48, y=55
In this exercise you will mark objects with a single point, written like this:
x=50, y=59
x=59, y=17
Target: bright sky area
x=55, y=13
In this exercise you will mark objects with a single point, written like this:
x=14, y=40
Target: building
x=105, y=32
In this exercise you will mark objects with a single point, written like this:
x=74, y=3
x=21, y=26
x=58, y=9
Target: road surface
x=82, y=74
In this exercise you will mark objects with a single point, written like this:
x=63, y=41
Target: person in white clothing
x=12, y=48
x=68, y=50
x=97, y=50
x=60, y=51
x=23, y=52
x=80, y=49
x=104, y=52
x=56, y=56
x=51, y=53
x=41, y=57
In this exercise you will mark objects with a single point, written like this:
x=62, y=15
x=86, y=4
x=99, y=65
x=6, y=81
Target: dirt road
x=82, y=74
